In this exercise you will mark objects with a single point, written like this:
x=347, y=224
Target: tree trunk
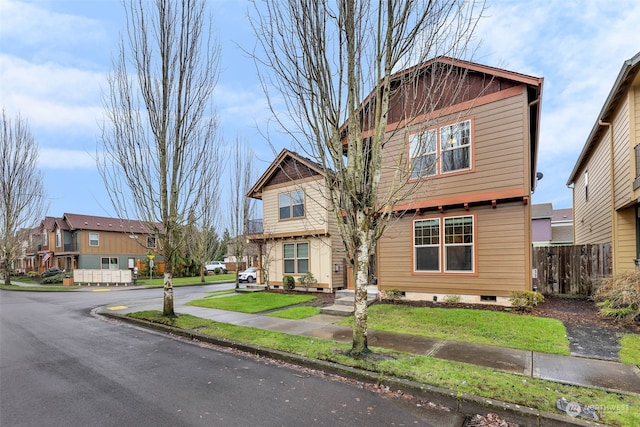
x=168, y=296
x=363, y=266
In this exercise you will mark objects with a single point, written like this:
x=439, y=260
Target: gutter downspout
x=612, y=175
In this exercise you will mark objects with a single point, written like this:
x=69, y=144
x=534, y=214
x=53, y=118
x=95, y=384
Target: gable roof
x=627, y=74
x=100, y=223
x=286, y=167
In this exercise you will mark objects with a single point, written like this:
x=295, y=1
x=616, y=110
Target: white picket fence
x=102, y=277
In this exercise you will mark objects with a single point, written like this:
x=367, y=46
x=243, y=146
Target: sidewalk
x=607, y=375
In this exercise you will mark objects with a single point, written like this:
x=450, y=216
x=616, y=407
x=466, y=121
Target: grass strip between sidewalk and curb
x=630, y=349
x=417, y=372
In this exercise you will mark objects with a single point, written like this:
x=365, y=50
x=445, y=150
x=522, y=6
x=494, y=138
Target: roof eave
x=626, y=72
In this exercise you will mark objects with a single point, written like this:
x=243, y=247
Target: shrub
x=525, y=300
x=52, y=279
x=392, y=294
x=618, y=297
x=451, y=299
x=288, y=282
x=32, y=274
x=307, y=280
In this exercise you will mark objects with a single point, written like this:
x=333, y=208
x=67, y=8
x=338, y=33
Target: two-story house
x=299, y=234
x=76, y=241
x=471, y=152
x=606, y=176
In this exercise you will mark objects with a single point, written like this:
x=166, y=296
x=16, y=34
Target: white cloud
x=51, y=96
x=32, y=25
x=52, y=158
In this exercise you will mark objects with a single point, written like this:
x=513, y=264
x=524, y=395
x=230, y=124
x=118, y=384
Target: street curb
x=461, y=403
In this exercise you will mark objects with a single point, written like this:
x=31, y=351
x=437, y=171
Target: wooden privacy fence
x=571, y=270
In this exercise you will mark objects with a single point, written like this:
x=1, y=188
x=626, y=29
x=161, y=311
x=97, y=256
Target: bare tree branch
x=24, y=200
x=160, y=145
x=319, y=59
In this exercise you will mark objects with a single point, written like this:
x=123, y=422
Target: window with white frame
x=443, y=150
x=291, y=204
x=444, y=244
x=109, y=263
x=151, y=242
x=296, y=258
x=427, y=244
x=424, y=152
x=458, y=243
x=94, y=239
x=58, y=238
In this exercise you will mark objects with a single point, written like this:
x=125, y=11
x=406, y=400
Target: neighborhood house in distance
x=85, y=242
x=466, y=229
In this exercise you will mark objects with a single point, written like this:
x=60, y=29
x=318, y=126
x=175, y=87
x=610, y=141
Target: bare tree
x=319, y=59
x=160, y=137
x=240, y=206
x=22, y=190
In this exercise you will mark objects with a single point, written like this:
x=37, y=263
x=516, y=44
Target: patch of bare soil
x=580, y=312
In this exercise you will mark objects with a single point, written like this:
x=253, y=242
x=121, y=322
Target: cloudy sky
x=54, y=55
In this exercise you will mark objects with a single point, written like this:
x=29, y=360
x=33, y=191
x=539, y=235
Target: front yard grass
x=630, y=349
x=475, y=326
x=296, y=313
x=460, y=377
x=252, y=302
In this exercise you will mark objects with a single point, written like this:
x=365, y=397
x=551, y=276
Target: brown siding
x=622, y=158
x=499, y=159
x=592, y=218
x=113, y=243
x=501, y=249
x=625, y=245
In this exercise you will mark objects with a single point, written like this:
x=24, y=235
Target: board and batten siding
x=316, y=214
x=502, y=254
x=499, y=159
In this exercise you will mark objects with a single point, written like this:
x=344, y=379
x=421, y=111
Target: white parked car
x=250, y=275
x=212, y=265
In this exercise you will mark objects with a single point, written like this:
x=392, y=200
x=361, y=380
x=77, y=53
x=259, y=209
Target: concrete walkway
x=603, y=374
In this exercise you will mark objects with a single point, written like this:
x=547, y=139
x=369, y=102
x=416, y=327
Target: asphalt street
x=62, y=366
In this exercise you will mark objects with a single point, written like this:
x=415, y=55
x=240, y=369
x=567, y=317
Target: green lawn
x=630, y=349
x=158, y=282
x=252, y=302
x=475, y=326
x=460, y=377
x=296, y=313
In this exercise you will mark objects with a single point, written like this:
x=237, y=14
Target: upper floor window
x=58, y=239
x=586, y=185
x=94, y=239
x=441, y=151
x=291, y=205
x=151, y=242
x=45, y=238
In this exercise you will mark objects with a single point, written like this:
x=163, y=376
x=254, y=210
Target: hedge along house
x=470, y=148
x=606, y=176
x=299, y=234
